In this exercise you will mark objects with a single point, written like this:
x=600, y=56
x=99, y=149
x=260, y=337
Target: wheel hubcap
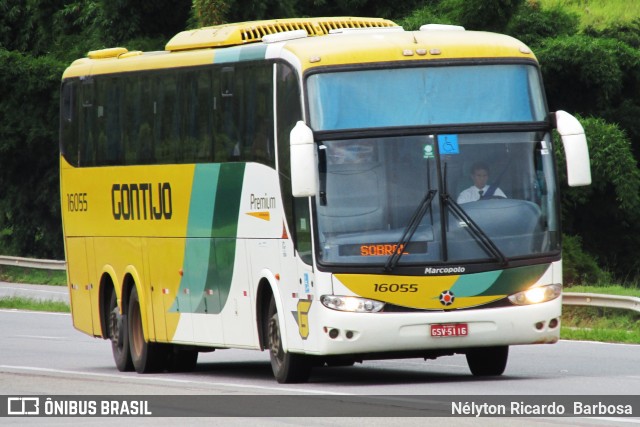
x=274, y=338
x=115, y=323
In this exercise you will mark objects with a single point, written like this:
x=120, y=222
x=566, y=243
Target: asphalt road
x=37, y=292
x=42, y=354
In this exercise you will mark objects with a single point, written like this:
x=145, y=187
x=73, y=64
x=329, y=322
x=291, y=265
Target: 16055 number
x=77, y=202
x=396, y=287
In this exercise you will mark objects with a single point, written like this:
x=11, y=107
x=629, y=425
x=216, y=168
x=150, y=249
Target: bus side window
x=288, y=114
x=87, y=124
x=226, y=80
x=69, y=123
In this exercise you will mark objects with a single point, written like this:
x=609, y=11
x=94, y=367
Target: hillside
x=597, y=13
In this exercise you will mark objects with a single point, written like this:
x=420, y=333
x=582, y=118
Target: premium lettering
x=265, y=202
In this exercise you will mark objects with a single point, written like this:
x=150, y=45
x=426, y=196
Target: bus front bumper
x=358, y=333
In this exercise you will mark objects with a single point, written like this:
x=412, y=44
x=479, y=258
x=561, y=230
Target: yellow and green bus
x=294, y=186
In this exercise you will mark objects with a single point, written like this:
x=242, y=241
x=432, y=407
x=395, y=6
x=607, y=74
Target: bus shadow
x=257, y=370
x=352, y=375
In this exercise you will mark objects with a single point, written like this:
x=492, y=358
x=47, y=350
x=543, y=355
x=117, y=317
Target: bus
x=292, y=186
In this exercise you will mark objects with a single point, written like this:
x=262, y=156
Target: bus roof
x=250, y=32
x=352, y=48
x=328, y=41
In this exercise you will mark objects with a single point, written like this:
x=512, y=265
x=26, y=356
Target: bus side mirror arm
x=576, y=150
x=304, y=162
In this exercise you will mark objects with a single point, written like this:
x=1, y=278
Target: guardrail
x=568, y=298
x=45, y=264
x=601, y=300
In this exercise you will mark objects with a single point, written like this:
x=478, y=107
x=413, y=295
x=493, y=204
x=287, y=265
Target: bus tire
x=287, y=367
x=119, y=335
x=146, y=356
x=487, y=361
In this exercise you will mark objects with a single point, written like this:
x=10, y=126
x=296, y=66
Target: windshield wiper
x=482, y=238
x=409, y=230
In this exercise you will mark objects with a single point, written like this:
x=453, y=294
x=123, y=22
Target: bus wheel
x=146, y=356
x=287, y=367
x=118, y=334
x=487, y=361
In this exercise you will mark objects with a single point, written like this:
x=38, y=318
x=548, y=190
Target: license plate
x=450, y=330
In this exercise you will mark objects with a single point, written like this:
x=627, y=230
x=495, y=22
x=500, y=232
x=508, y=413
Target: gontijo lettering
x=141, y=201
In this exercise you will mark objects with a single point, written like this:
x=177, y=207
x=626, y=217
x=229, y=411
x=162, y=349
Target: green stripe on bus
x=470, y=285
x=203, y=197
x=240, y=53
x=501, y=282
x=227, y=208
x=224, y=229
x=516, y=279
x=212, y=230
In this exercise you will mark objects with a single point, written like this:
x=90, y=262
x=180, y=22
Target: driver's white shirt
x=472, y=194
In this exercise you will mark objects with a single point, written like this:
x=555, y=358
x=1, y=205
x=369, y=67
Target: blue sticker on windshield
x=448, y=144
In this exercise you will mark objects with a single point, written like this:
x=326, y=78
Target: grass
x=20, y=303
x=597, y=13
x=601, y=324
x=14, y=274
x=632, y=291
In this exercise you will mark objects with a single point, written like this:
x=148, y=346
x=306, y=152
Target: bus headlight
x=536, y=295
x=353, y=304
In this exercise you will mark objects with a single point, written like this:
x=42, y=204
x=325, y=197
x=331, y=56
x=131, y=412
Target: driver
x=479, y=189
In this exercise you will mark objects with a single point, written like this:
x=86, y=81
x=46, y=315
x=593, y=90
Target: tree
x=129, y=19
x=15, y=25
x=209, y=12
x=584, y=74
x=369, y=8
x=29, y=208
x=480, y=15
x=606, y=214
x=215, y=12
x=532, y=24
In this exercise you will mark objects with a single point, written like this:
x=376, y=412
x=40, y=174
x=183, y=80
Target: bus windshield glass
x=422, y=96
x=476, y=197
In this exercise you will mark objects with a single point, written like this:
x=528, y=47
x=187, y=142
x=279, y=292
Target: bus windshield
x=473, y=197
x=460, y=94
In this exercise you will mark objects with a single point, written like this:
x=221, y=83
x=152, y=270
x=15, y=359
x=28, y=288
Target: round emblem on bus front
x=447, y=297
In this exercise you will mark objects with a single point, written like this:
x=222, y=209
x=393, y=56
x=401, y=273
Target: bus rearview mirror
x=576, y=150
x=304, y=164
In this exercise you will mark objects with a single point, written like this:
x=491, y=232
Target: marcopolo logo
x=447, y=298
x=444, y=270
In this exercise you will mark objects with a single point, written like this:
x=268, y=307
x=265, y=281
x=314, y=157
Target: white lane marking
x=60, y=292
x=171, y=380
x=15, y=310
x=40, y=337
x=597, y=342
x=616, y=420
